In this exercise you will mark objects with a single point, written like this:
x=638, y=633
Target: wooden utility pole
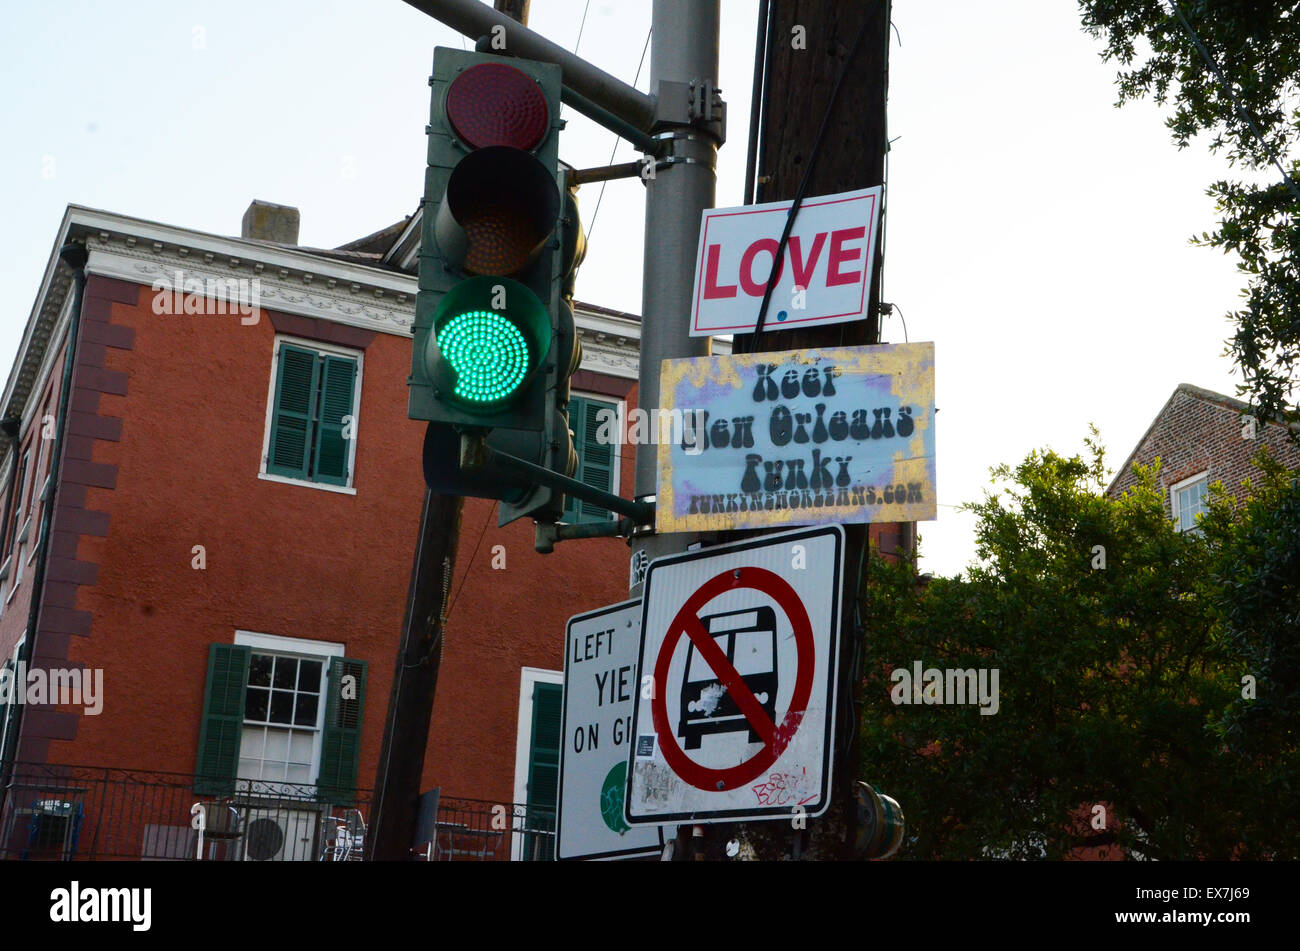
x=410, y=705
x=515, y=9
x=809, y=42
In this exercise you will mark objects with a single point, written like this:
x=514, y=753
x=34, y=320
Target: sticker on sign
x=739, y=652
x=822, y=277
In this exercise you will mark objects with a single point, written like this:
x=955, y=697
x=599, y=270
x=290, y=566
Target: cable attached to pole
x=803, y=184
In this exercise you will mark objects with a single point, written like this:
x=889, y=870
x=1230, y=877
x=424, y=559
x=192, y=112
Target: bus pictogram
x=748, y=639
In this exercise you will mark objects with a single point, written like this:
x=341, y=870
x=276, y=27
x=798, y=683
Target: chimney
x=268, y=222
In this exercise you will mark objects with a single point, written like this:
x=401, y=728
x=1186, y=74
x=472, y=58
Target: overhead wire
x=617, y=139
x=803, y=182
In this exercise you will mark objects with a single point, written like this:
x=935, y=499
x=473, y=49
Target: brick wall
x=1199, y=431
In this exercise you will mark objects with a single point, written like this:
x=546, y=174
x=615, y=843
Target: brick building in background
x=226, y=545
x=1202, y=437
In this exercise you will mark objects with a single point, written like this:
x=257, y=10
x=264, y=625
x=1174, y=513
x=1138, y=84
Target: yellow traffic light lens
x=488, y=353
x=501, y=239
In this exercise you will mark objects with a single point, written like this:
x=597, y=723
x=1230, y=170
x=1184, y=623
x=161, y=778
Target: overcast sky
x=1035, y=233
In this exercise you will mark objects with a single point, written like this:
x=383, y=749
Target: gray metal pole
x=684, y=50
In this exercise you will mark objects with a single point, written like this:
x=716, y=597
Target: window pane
x=300, y=745
x=754, y=653
x=250, y=745
x=305, y=714
x=259, y=670
x=255, y=702
x=286, y=672
x=309, y=675
x=281, y=707
x=277, y=744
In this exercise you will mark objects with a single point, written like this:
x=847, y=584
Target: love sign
x=822, y=277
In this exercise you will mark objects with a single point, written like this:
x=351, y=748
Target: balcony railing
x=57, y=812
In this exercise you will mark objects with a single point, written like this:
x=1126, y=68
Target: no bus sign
x=822, y=277
x=735, y=714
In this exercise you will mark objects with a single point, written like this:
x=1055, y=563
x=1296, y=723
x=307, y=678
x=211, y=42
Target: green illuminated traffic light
x=490, y=336
x=487, y=353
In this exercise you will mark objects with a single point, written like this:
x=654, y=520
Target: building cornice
x=307, y=292
x=290, y=280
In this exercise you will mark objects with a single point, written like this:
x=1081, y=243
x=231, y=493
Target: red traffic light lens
x=494, y=104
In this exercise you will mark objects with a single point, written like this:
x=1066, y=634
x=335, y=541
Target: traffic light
x=495, y=341
x=881, y=825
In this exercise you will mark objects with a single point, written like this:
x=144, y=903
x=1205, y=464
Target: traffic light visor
x=490, y=335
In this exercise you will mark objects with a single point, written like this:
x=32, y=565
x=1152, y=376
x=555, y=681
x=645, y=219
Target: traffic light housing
x=495, y=342
x=881, y=824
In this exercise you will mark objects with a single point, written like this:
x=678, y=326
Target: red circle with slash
x=775, y=738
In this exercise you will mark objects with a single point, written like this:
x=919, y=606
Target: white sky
x=1034, y=232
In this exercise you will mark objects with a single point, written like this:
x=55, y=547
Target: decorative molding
x=616, y=359
x=359, y=306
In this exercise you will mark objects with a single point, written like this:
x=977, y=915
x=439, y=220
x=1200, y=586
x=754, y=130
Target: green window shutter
x=296, y=380
x=340, y=753
x=543, y=772
x=223, y=719
x=338, y=379
x=595, y=459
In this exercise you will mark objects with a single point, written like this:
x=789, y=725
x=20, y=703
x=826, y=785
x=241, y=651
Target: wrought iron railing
x=57, y=812
x=478, y=830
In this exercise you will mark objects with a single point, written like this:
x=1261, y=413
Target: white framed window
x=284, y=707
x=16, y=518
x=1187, y=499
x=7, y=710
x=312, y=415
x=18, y=570
x=537, y=764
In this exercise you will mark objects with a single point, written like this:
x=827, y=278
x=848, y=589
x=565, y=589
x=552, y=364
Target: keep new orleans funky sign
x=799, y=438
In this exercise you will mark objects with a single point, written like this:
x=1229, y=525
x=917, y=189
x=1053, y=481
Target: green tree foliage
x=1255, y=46
x=1256, y=572
x=1119, y=686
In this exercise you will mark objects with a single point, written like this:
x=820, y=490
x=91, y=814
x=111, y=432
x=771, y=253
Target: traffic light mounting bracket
x=475, y=453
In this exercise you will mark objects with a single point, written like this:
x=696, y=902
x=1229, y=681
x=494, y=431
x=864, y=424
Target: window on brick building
x=597, y=460
x=281, y=712
x=1187, y=499
x=312, y=414
x=16, y=518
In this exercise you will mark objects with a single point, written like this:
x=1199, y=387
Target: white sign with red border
x=824, y=275
x=739, y=651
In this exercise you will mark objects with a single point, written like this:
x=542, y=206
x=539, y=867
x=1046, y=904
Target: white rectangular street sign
x=739, y=651
x=824, y=274
x=600, y=685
